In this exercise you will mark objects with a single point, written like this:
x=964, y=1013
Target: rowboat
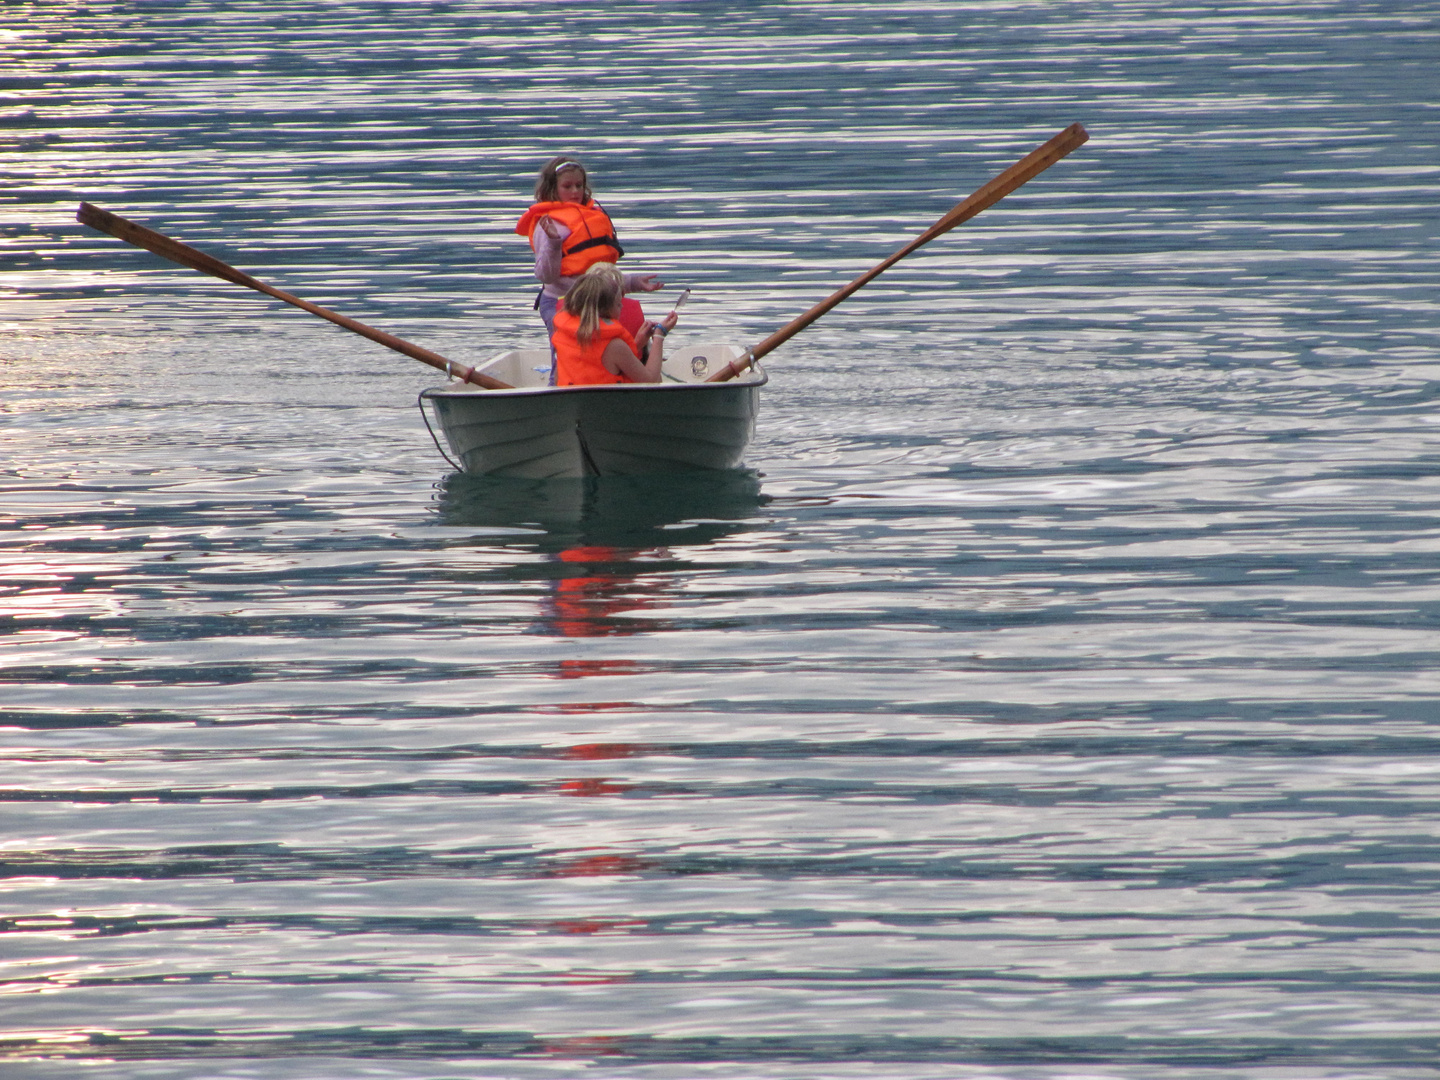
x=501, y=419
x=539, y=432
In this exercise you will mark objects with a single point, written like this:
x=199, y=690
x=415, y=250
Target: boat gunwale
x=469, y=390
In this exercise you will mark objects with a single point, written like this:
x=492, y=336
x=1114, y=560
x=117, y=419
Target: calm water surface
x=1054, y=695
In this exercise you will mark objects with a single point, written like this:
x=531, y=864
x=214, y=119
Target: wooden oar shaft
x=186, y=255
x=1032, y=164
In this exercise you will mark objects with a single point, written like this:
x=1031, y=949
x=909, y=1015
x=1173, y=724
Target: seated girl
x=591, y=345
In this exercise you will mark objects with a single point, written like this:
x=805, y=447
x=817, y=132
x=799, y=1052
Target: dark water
x=1054, y=696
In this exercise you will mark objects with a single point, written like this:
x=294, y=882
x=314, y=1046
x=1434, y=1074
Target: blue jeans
x=546, y=305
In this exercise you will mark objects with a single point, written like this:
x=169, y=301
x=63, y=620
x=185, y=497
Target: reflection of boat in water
x=671, y=510
x=539, y=431
x=610, y=545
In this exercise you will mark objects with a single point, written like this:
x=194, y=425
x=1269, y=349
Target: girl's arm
x=647, y=331
x=642, y=283
x=619, y=360
x=548, y=235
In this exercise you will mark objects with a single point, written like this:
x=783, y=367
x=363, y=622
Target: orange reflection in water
x=584, y=669
x=597, y=865
x=592, y=787
x=597, y=926
x=582, y=1046
x=604, y=751
x=579, y=707
x=587, y=598
x=592, y=978
x=595, y=786
x=598, y=585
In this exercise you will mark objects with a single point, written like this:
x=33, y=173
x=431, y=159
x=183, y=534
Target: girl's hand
x=549, y=227
x=647, y=283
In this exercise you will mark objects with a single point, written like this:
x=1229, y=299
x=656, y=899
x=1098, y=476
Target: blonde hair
x=597, y=295
x=547, y=184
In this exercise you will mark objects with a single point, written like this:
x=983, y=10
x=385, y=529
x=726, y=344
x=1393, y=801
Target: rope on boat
x=420, y=403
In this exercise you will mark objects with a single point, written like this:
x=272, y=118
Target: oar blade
x=988, y=194
x=1024, y=170
x=160, y=244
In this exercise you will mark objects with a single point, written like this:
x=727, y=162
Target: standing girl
x=570, y=232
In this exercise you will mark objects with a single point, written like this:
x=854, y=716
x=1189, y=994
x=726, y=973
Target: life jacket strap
x=596, y=241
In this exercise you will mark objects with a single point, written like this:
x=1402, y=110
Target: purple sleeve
x=548, y=254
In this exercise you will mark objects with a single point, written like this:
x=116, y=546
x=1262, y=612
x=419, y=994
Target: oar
x=1032, y=164
x=185, y=255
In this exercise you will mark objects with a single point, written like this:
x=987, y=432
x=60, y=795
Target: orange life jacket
x=580, y=365
x=592, y=235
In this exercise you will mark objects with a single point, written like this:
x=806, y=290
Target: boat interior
x=687, y=363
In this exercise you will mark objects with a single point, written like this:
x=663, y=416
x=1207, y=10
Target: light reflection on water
x=1053, y=695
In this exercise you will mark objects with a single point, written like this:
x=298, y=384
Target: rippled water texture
x=1053, y=696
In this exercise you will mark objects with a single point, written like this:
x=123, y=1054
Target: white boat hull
x=539, y=432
